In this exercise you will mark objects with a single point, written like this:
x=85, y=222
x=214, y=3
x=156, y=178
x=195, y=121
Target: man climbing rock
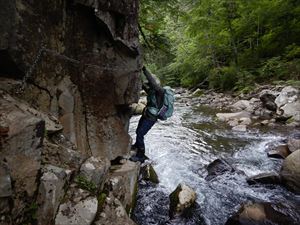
x=159, y=106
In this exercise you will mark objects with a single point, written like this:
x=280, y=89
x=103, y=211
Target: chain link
x=44, y=50
x=31, y=68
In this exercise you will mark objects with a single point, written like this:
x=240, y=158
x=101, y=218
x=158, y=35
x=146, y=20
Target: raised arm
x=152, y=81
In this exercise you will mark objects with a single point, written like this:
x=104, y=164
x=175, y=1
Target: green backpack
x=167, y=109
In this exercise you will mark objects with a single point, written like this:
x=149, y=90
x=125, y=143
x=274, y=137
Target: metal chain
x=42, y=50
x=31, y=68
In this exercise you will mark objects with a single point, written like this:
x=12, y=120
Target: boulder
x=80, y=210
x=268, y=101
x=123, y=181
x=113, y=210
x=294, y=142
x=281, y=151
x=243, y=105
x=231, y=116
x=148, y=173
x=287, y=95
x=290, y=172
x=95, y=170
x=51, y=191
x=264, y=178
x=240, y=128
x=218, y=167
x=262, y=213
x=181, y=199
x=233, y=123
x=292, y=110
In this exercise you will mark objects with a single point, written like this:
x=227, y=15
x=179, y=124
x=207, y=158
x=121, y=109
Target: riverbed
x=180, y=150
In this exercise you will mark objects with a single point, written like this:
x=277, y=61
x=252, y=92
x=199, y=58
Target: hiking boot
x=134, y=148
x=138, y=158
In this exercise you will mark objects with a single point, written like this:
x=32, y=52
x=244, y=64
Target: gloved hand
x=144, y=68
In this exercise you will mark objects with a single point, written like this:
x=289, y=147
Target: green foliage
x=85, y=184
x=101, y=200
x=30, y=214
x=223, y=78
x=234, y=43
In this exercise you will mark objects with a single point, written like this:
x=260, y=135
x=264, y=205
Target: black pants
x=143, y=127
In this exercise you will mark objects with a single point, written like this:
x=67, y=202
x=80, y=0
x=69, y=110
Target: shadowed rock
x=281, y=151
x=148, y=173
x=218, y=167
x=268, y=101
x=294, y=142
x=262, y=213
x=264, y=178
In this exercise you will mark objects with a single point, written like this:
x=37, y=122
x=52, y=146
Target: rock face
x=81, y=63
x=21, y=139
x=290, y=172
x=87, y=89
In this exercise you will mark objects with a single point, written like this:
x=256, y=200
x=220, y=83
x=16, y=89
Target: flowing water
x=181, y=148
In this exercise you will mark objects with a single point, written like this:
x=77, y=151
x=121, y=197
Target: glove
x=144, y=68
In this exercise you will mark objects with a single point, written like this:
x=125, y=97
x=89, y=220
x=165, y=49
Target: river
x=181, y=148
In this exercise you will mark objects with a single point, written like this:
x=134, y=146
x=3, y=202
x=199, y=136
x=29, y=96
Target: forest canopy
x=222, y=44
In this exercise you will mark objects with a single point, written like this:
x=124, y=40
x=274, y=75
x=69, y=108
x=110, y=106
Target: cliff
x=68, y=72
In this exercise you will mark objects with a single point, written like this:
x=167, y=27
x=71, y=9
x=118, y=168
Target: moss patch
x=85, y=184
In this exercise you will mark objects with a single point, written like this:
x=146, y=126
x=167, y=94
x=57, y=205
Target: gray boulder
x=51, y=191
x=290, y=172
x=294, y=142
x=181, y=199
x=79, y=210
x=232, y=116
x=287, y=95
x=112, y=210
x=95, y=170
x=123, y=183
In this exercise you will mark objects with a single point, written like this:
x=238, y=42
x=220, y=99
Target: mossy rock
x=149, y=174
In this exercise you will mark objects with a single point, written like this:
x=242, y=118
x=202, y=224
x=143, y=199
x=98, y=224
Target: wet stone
x=262, y=213
x=218, y=167
x=148, y=173
x=181, y=199
x=265, y=178
x=281, y=151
